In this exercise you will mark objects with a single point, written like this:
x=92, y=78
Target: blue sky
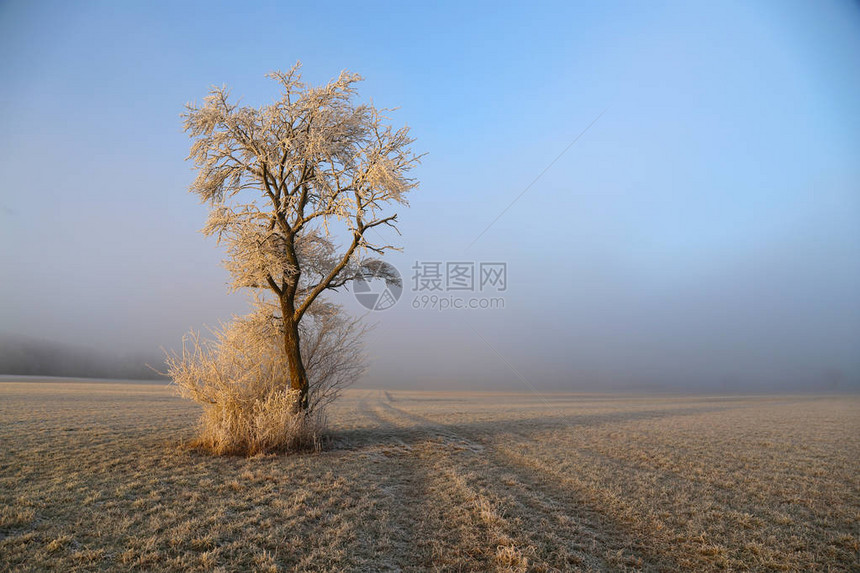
x=705, y=230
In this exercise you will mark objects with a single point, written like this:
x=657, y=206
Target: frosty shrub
x=240, y=379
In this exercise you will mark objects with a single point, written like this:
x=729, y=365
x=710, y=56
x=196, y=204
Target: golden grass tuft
x=248, y=407
x=238, y=425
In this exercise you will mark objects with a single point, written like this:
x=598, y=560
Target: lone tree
x=280, y=177
x=284, y=180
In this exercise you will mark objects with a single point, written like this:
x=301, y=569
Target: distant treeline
x=33, y=357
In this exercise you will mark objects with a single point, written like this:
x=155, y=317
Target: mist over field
x=33, y=357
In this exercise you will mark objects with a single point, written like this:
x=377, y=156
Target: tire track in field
x=586, y=529
x=470, y=529
x=379, y=435
x=519, y=525
x=528, y=458
x=392, y=482
x=426, y=529
x=687, y=550
x=549, y=523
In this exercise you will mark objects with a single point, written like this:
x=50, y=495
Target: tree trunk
x=298, y=375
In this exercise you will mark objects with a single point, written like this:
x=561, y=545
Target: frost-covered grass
x=97, y=476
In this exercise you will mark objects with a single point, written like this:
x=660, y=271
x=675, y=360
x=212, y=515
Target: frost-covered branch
x=285, y=180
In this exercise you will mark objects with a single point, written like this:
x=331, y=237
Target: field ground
x=95, y=476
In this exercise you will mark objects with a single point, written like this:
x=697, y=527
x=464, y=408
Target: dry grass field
x=96, y=476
